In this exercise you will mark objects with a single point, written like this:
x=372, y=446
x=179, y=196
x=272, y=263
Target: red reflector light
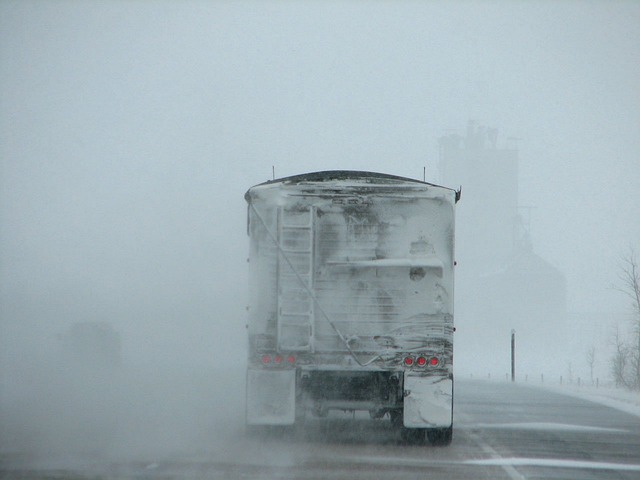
x=421, y=361
x=408, y=361
x=277, y=359
x=266, y=359
x=434, y=362
x=291, y=359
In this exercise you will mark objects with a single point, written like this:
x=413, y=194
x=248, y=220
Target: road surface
x=502, y=431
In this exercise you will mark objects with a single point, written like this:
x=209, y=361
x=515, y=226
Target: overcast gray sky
x=129, y=132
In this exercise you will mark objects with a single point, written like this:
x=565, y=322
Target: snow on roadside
x=623, y=400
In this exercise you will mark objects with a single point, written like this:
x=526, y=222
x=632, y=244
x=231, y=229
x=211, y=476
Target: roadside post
x=513, y=355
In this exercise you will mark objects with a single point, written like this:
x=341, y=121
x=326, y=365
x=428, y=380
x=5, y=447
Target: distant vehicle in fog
x=351, y=300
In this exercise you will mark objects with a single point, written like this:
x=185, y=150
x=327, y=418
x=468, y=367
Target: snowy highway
x=502, y=431
x=216, y=215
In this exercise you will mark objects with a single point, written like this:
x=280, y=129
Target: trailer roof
x=332, y=175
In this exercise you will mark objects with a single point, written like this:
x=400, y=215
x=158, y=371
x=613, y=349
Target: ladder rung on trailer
x=295, y=279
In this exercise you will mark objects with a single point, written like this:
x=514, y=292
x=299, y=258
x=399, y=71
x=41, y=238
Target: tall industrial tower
x=488, y=218
x=501, y=283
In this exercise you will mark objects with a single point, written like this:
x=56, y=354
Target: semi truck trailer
x=351, y=282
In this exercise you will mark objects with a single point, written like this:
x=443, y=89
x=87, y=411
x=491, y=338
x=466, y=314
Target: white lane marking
x=495, y=456
x=545, y=426
x=418, y=462
x=396, y=461
x=551, y=462
x=415, y=462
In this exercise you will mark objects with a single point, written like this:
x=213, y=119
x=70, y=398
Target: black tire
x=413, y=436
x=396, y=417
x=440, y=437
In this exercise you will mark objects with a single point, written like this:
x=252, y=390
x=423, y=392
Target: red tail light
x=278, y=360
x=421, y=362
x=434, y=362
x=408, y=361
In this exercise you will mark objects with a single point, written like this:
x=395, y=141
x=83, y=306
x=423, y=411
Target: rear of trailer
x=351, y=300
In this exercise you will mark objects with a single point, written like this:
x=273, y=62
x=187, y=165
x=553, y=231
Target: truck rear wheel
x=440, y=437
x=413, y=436
x=396, y=417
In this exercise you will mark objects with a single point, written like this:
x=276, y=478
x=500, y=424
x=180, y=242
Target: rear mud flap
x=428, y=402
x=271, y=397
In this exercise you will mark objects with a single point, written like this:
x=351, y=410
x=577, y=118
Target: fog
x=130, y=131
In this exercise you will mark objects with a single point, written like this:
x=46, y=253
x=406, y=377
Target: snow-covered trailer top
x=350, y=267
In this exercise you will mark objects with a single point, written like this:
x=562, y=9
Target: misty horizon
x=130, y=132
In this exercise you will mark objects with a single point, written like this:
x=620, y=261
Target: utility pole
x=513, y=355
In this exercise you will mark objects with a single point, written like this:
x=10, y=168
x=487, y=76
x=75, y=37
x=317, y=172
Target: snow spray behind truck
x=351, y=300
